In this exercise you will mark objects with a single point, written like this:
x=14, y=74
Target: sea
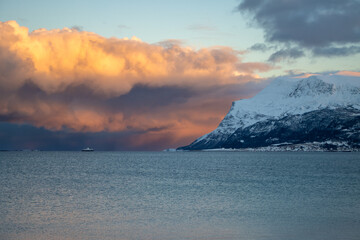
x=179, y=195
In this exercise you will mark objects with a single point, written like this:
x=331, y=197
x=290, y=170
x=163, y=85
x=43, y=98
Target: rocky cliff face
x=322, y=110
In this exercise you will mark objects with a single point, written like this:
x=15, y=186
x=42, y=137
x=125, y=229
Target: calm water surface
x=183, y=195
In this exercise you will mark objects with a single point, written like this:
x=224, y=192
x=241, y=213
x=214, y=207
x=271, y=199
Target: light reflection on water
x=183, y=195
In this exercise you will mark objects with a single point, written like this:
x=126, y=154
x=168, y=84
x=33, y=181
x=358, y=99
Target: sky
x=150, y=75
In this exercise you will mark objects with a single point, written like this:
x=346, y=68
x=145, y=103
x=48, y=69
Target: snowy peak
x=312, y=86
x=288, y=95
x=283, y=101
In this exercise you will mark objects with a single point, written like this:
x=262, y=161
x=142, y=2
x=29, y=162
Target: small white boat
x=87, y=149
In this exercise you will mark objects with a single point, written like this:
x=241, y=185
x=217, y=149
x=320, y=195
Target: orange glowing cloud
x=57, y=58
x=348, y=73
x=80, y=81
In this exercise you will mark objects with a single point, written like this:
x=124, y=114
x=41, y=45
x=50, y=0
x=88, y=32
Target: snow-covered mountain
x=323, y=110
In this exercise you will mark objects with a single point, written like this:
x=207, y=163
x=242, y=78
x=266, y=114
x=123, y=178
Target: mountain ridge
x=284, y=101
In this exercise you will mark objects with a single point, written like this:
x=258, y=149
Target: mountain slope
x=321, y=108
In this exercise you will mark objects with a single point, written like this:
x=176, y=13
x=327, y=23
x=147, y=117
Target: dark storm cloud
x=146, y=99
x=286, y=54
x=141, y=100
x=149, y=113
x=336, y=51
x=309, y=23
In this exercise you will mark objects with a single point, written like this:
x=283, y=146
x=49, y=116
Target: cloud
x=201, y=27
x=309, y=23
x=72, y=81
x=286, y=54
x=151, y=118
x=348, y=73
x=56, y=59
x=77, y=28
x=260, y=47
x=336, y=51
x=123, y=26
x=169, y=43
